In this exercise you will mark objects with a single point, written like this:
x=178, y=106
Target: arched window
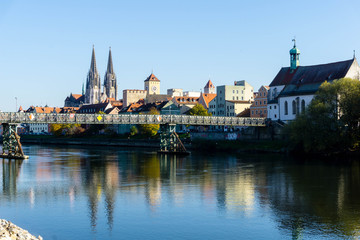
x=286, y=108
x=302, y=105
x=293, y=107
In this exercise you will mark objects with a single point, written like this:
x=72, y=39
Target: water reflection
x=10, y=172
x=301, y=198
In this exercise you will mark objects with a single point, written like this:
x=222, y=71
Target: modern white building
x=294, y=87
x=231, y=100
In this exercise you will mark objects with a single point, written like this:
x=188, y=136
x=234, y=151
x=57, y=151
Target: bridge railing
x=9, y=117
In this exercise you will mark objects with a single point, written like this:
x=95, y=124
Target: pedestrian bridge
x=14, y=118
x=169, y=140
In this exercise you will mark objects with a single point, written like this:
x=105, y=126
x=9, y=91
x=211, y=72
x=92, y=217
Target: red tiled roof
x=209, y=84
x=208, y=97
x=152, y=77
x=76, y=96
x=187, y=100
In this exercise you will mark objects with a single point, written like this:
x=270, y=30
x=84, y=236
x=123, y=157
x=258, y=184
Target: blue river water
x=118, y=193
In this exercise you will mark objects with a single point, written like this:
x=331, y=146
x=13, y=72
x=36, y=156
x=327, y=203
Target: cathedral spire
x=110, y=84
x=93, y=61
x=110, y=68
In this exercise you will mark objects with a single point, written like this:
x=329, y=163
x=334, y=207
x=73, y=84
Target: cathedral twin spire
x=93, y=93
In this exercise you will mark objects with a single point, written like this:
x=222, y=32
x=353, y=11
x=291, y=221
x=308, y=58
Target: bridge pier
x=170, y=141
x=11, y=147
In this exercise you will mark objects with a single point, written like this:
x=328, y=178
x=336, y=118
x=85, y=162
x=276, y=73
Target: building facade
x=241, y=93
x=259, y=106
x=132, y=96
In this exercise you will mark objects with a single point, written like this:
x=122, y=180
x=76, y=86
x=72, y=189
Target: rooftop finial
x=354, y=54
x=294, y=40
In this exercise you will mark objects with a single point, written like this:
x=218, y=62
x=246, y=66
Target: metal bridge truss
x=127, y=119
x=169, y=140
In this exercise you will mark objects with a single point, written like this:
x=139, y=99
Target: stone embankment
x=9, y=231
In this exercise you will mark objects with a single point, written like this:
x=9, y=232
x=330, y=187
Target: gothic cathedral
x=93, y=93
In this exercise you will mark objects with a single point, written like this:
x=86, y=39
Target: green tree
x=331, y=121
x=199, y=110
x=66, y=129
x=150, y=130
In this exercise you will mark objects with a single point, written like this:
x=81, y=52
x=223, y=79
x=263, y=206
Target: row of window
x=256, y=111
x=237, y=91
x=237, y=98
x=256, y=102
x=295, y=106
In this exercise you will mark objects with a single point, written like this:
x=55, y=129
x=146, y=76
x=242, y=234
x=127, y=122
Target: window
x=270, y=107
x=233, y=98
x=237, y=91
x=286, y=108
x=255, y=102
x=252, y=112
x=264, y=102
x=237, y=98
x=260, y=103
x=293, y=107
x=233, y=91
x=256, y=111
x=275, y=107
x=302, y=105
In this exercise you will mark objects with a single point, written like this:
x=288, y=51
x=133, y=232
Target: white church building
x=294, y=87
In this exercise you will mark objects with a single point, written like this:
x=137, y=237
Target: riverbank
x=206, y=145
x=8, y=230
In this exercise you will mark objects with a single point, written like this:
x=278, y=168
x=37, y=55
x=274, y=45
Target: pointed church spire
x=110, y=68
x=93, y=61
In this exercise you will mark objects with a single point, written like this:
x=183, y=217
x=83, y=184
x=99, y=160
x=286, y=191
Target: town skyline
x=46, y=56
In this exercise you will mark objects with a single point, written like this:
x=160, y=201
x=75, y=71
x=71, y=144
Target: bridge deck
x=9, y=117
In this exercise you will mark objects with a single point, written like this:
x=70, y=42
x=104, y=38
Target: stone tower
x=93, y=87
x=110, y=84
x=209, y=87
x=152, y=84
x=294, y=57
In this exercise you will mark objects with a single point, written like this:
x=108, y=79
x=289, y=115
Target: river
x=118, y=193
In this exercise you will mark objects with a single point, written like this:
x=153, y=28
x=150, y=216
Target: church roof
x=312, y=74
x=209, y=84
x=152, y=77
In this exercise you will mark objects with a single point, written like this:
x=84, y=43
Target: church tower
x=294, y=57
x=110, y=84
x=93, y=87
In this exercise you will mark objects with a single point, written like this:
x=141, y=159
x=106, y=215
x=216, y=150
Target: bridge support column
x=11, y=147
x=169, y=140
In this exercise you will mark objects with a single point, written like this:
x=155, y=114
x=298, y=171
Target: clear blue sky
x=45, y=46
